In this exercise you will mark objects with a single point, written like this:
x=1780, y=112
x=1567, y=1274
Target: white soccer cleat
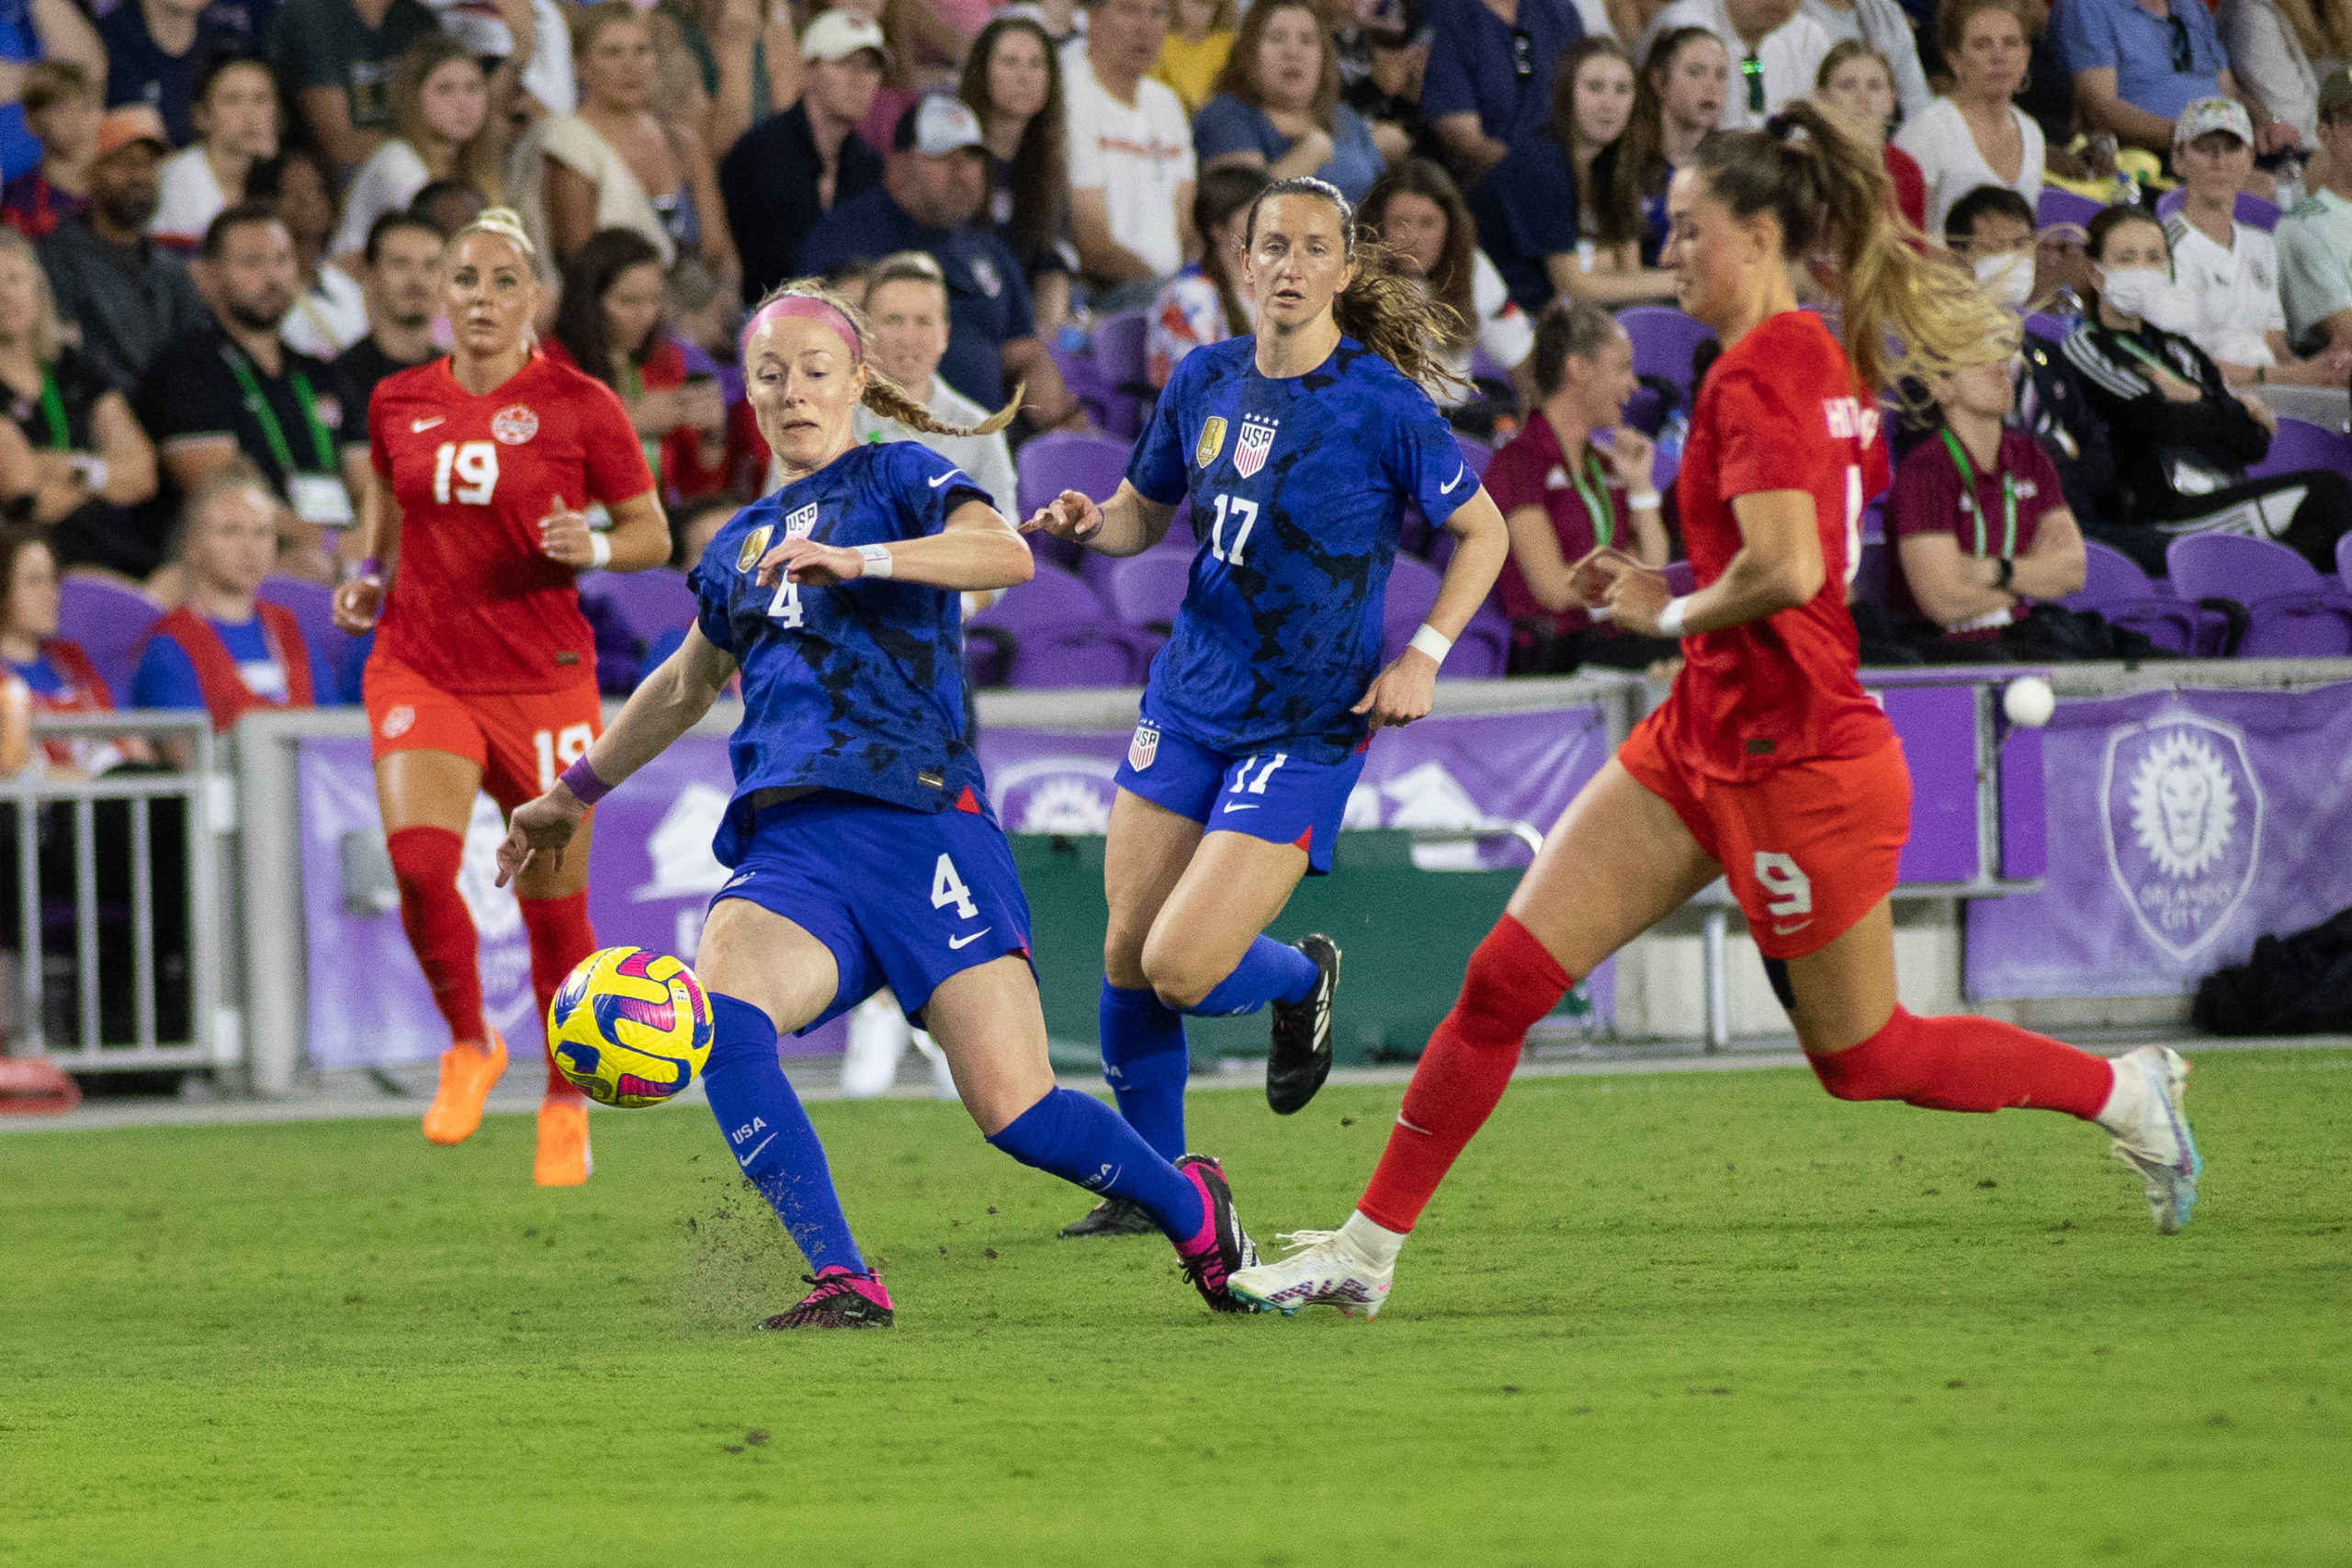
x=1322, y=1267
x=2159, y=1146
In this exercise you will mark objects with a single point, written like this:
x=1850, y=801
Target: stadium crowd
x=225, y=218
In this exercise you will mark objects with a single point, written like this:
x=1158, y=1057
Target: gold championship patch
x=1212, y=440
x=755, y=545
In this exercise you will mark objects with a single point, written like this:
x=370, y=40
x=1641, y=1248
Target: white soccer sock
x=1377, y=1245
x=2127, y=1102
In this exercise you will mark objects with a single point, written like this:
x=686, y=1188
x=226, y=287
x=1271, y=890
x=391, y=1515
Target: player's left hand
x=1402, y=693
x=809, y=564
x=564, y=537
x=538, y=827
x=1634, y=599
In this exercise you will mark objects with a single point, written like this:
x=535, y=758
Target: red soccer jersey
x=1777, y=412
x=475, y=607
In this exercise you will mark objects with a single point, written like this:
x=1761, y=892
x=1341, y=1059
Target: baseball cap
x=118, y=128
x=935, y=124
x=837, y=35
x=2207, y=115
x=2335, y=93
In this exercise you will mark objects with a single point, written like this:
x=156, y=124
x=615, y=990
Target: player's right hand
x=1589, y=580
x=538, y=827
x=1070, y=516
x=357, y=604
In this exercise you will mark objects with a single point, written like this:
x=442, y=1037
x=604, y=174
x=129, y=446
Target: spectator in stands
x=232, y=386
x=906, y=316
x=794, y=166
x=225, y=650
x=330, y=311
x=931, y=197
x=1975, y=135
x=2280, y=50
x=36, y=30
x=1857, y=86
x=2137, y=63
x=441, y=130
x=1776, y=53
x=1677, y=99
x=1488, y=83
x=1278, y=108
x=156, y=50
x=1978, y=515
x=236, y=128
x=2182, y=439
x=448, y=206
x=1383, y=50
x=58, y=676
x=127, y=297
x=1881, y=26
x=2226, y=273
x=1565, y=495
x=1131, y=164
x=61, y=108
x=1193, y=54
x=614, y=165
x=1418, y=212
x=1540, y=210
x=401, y=273
x=334, y=59
x=91, y=458
x=2315, y=239
x=1013, y=83
x=1209, y=300
x=608, y=323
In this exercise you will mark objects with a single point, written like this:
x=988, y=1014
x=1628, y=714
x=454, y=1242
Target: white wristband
x=1669, y=620
x=600, y=550
x=1431, y=641
x=1646, y=502
x=877, y=559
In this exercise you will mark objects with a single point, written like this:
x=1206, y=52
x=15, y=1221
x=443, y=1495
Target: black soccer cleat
x=842, y=1299
x=1300, y=1057
x=1113, y=1216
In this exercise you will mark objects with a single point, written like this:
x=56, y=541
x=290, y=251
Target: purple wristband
x=582, y=781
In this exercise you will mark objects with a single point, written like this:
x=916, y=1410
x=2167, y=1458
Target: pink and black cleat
x=842, y=1299
x=1222, y=1249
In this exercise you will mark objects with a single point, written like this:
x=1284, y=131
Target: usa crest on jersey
x=1144, y=746
x=798, y=524
x=1257, y=441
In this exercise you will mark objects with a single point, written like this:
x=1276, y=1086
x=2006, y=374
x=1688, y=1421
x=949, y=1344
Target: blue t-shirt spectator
x=1526, y=209
x=138, y=71
x=988, y=298
x=19, y=148
x=166, y=679
x=1225, y=124
x=1481, y=65
x=2162, y=64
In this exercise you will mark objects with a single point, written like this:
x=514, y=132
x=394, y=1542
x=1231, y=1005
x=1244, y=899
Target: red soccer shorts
x=1807, y=850
x=520, y=741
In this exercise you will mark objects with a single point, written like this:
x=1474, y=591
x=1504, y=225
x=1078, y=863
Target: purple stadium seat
x=2252, y=210
x=1119, y=360
x=2299, y=626
x=313, y=607
x=2109, y=577
x=2237, y=565
x=1412, y=589
x=1061, y=460
x=110, y=618
x=2045, y=326
x=2065, y=207
x=2171, y=624
x=1145, y=591
x=630, y=611
x=1063, y=636
x=1483, y=650
x=2303, y=445
x=1664, y=339
x=2343, y=563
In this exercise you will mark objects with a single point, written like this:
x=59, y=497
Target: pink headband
x=808, y=308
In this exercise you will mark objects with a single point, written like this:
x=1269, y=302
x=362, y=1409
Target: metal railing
x=67, y=813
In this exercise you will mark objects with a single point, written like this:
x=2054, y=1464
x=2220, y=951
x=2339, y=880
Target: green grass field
x=1702, y=1318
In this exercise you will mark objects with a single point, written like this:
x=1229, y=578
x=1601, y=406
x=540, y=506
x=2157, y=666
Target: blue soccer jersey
x=858, y=686
x=1298, y=485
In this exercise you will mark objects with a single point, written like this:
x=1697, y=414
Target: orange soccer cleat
x=563, y=1159
x=467, y=1073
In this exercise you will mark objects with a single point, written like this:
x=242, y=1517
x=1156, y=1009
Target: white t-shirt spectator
x=1139, y=156
x=987, y=460
x=1499, y=327
x=2268, y=58
x=387, y=182
x=188, y=200
x=1950, y=167
x=2314, y=262
x=2224, y=296
x=328, y=317
x=1791, y=55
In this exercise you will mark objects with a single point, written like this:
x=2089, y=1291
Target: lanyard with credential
x=267, y=417
x=1968, y=488
x=1595, y=501
x=52, y=412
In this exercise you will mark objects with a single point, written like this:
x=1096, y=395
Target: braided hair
x=883, y=395
x=1383, y=306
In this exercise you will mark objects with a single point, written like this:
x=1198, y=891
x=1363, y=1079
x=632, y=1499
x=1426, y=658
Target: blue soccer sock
x=769, y=1133
x=1144, y=1058
x=1079, y=1139
x=1270, y=972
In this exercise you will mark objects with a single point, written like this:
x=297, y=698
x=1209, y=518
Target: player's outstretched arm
x=976, y=551
x=1403, y=692
x=1127, y=524
x=665, y=706
x=1779, y=567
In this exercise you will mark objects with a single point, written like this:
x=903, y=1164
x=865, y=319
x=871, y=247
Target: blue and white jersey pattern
x=1299, y=486
x=858, y=686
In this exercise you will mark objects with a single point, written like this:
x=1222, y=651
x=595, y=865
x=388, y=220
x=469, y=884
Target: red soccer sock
x=1512, y=981
x=1967, y=1064
x=439, y=926
x=560, y=937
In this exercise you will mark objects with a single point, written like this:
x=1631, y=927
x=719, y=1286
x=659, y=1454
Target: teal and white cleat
x=2159, y=1146
x=1322, y=1267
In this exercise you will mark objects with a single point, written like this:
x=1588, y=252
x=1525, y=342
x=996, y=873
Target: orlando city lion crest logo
x=2183, y=813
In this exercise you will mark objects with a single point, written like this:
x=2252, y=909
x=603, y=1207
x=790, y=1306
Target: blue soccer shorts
x=1267, y=795
x=902, y=898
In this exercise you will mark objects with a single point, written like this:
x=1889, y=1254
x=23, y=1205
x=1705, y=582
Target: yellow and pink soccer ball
x=629, y=1026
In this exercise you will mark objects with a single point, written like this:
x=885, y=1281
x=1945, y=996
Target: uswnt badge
x=755, y=545
x=1145, y=746
x=796, y=525
x=1257, y=441
x=1212, y=440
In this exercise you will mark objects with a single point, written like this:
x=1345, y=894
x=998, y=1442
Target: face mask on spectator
x=2139, y=291
x=2009, y=277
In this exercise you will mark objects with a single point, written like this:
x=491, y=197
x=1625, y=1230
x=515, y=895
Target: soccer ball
x=629, y=1027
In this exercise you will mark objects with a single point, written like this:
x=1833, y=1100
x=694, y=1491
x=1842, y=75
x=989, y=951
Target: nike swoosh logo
x=951, y=474
x=1236, y=805
x=1780, y=929
x=419, y=426
x=957, y=943
x=1448, y=489
x=746, y=1160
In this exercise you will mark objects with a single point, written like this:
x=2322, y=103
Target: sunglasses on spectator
x=2184, y=57
x=1522, y=54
